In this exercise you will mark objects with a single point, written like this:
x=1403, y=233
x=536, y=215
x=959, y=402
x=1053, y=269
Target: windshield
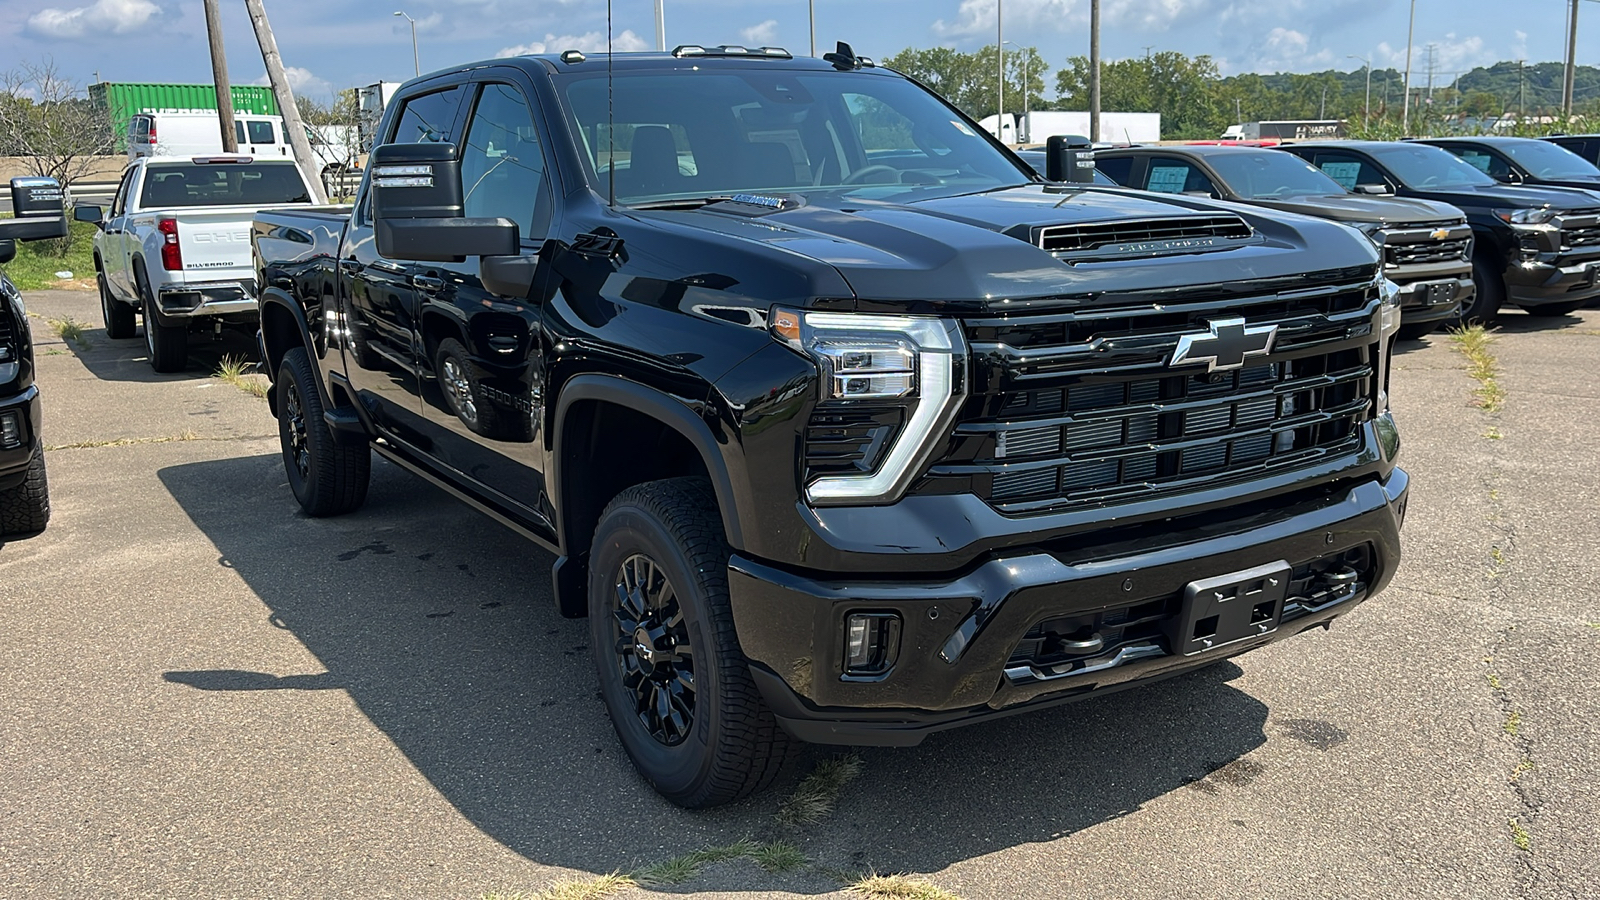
x=1547, y=160
x=1422, y=167
x=1271, y=175
x=702, y=134
x=222, y=184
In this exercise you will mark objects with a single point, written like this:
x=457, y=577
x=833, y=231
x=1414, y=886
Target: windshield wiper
x=681, y=202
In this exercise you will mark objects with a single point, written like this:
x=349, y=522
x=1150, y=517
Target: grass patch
x=185, y=435
x=38, y=262
x=1519, y=836
x=1474, y=343
x=236, y=371
x=778, y=857
x=1513, y=723
x=774, y=857
x=71, y=331
x=817, y=794
x=898, y=887
x=598, y=888
x=1525, y=766
x=1493, y=434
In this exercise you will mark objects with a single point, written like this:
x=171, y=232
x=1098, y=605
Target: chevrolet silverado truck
x=174, y=247
x=1426, y=245
x=1517, y=160
x=1535, y=247
x=841, y=423
x=37, y=212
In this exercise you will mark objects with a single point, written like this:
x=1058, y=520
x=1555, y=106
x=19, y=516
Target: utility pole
x=812, y=5
x=1430, y=49
x=219, y=75
x=1094, y=70
x=285, y=95
x=1572, y=63
x=1027, y=92
x=1322, y=111
x=661, y=28
x=1000, y=51
x=1522, y=93
x=1405, y=108
x=1367, y=111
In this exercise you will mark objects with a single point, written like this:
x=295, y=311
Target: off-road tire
x=733, y=745
x=1416, y=331
x=120, y=320
x=327, y=479
x=1490, y=293
x=25, y=509
x=1551, y=310
x=168, y=345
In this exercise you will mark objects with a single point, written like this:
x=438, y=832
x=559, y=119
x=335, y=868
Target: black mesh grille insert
x=843, y=441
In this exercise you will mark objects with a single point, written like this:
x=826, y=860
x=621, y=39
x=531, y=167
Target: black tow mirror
x=94, y=215
x=8, y=251
x=39, y=207
x=1069, y=158
x=417, y=208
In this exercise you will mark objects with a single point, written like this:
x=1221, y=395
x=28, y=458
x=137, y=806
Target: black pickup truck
x=1536, y=247
x=38, y=214
x=841, y=423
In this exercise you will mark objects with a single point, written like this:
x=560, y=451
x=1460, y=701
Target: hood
x=1367, y=209
x=1590, y=183
x=1516, y=197
x=974, y=252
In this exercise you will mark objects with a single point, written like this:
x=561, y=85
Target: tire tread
x=25, y=508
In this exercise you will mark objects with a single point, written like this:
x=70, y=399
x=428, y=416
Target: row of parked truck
x=840, y=422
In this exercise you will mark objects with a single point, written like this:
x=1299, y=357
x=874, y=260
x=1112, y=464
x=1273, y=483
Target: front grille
x=1186, y=234
x=1581, y=237
x=1102, y=418
x=1429, y=252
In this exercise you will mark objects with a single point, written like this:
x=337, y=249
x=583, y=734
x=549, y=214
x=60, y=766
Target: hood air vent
x=1143, y=237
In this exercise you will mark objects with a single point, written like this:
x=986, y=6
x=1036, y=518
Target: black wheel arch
x=283, y=327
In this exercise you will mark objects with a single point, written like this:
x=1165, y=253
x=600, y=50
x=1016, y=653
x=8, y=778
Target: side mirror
x=1509, y=178
x=8, y=251
x=1375, y=189
x=39, y=207
x=417, y=208
x=94, y=215
x=1069, y=158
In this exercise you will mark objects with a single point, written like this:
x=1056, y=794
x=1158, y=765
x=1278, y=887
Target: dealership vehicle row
x=841, y=423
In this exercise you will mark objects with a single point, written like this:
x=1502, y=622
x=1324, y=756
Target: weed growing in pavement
x=814, y=799
x=235, y=371
x=778, y=857
x=897, y=887
x=1513, y=723
x=1519, y=836
x=598, y=888
x=682, y=868
x=1474, y=343
x=1525, y=766
x=1494, y=681
x=185, y=435
x=71, y=331
x=1493, y=434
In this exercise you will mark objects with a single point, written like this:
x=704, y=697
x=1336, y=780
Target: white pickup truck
x=174, y=247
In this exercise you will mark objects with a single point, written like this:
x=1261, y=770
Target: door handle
x=427, y=283
x=350, y=265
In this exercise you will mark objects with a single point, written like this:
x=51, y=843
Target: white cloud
x=763, y=35
x=302, y=82
x=1287, y=50
x=976, y=18
x=101, y=17
x=590, y=42
x=1451, y=56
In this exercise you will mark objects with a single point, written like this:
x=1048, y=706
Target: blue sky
x=330, y=44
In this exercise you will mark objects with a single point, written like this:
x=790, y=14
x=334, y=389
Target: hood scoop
x=1166, y=236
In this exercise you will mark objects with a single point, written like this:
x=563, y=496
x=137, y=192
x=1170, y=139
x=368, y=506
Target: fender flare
x=673, y=412
x=273, y=348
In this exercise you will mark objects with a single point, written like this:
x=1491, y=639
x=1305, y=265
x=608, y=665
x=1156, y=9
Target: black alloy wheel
x=653, y=654
x=327, y=478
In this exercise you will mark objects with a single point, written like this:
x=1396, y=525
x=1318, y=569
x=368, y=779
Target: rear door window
x=1176, y=176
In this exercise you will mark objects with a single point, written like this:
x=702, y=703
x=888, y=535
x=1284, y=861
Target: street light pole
x=812, y=5
x=1000, y=51
x=661, y=25
x=1027, y=101
x=1094, y=70
x=1367, y=111
x=1405, y=103
x=416, y=61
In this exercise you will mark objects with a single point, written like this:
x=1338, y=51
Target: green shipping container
x=123, y=100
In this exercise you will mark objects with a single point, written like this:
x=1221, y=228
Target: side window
x=1488, y=163
x=1175, y=176
x=429, y=118
x=1349, y=170
x=238, y=132
x=139, y=128
x=119, y=203
x=1118, y=169
x=502, y=166
x=261, y=132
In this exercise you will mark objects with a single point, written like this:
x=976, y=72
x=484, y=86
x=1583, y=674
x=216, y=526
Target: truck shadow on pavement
x=127, y=360
x=440, y=626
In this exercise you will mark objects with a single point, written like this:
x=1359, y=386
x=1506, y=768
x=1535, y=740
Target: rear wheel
x=327, y=479
x=1490, y=292
x=25, y=508
x=671, y=673
x=1551, y=310
x=168, y=344
x=118, y=316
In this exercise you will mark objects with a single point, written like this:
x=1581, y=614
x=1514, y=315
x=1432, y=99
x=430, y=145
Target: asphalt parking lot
x=209, y=695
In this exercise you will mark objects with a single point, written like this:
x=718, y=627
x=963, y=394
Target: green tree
x=969, y=80
x=1181, y=88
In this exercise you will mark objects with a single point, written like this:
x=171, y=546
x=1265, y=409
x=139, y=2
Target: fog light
x=871, y=643
x=10, y=430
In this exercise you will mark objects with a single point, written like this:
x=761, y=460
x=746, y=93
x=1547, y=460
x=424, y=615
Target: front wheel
x=327, y=479
x=25, y=508
x=672, y=675
x=1490, y=292
x=118, y=316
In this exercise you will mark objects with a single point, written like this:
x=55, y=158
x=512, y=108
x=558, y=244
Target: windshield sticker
x=962, y=127
x=1345, y=173
x=1168, y=179
x=1479, y=161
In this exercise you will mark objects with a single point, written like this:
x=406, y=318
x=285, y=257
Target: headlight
x=1526, y=216
x=877, y=372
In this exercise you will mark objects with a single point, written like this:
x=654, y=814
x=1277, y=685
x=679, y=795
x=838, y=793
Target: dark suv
x=1426, y=245
x=24, y=494
x=840, y=423
x=1536, y=247
x=1514, y=160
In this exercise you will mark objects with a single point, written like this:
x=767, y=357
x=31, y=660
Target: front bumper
x=965, y=643
x=24, y=410
x=1429, y=299
x=207, y=298
x=1556, y=280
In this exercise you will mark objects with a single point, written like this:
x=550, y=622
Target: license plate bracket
x=1440, y=292
x=1228, y=608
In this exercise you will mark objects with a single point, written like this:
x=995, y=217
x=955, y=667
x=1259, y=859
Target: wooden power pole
x=219, y=75
x=1572, y=63
x=285, y=95
x=1094, y=70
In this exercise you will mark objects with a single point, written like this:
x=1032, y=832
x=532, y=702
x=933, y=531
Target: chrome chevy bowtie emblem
x=1440, y=234
x=1227, y=344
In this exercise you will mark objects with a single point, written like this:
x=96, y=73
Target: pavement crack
x=181, y=437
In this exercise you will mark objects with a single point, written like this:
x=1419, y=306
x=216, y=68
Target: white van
x=195, y=132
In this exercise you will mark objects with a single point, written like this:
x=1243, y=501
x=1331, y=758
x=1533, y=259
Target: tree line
x=1197, y=102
